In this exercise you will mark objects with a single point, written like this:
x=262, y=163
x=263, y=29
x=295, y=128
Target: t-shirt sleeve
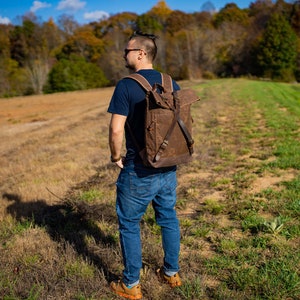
x=176, y=87
x=119, y=103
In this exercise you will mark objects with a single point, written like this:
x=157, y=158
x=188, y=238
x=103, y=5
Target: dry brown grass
x=52, y=141
x=50, y=144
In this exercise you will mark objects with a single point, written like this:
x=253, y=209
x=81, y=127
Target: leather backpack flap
x=187, y=96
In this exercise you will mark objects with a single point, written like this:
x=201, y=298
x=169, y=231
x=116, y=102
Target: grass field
x=238, y=201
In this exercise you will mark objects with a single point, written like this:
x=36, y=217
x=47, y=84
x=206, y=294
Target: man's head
x=141, y=51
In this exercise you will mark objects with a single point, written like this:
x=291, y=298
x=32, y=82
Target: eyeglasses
x=126, y=51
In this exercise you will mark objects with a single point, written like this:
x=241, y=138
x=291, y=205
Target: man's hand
x=120, y=163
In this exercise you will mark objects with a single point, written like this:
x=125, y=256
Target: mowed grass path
x=238, y=204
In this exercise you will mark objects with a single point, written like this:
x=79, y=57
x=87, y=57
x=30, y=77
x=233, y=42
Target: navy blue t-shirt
x=129, y=100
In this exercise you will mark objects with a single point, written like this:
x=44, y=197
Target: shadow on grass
x=70, y=222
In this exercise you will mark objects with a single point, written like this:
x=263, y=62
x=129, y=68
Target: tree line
x=262, y=40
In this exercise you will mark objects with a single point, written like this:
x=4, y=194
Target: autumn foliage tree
x=32, y=46
x=83, y=43
x=11, y=77
x=231, y=14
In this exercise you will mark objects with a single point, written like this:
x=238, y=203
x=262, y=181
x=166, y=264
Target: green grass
x=280, y=105
x=265, y=263
x=10, y=227
x=191, y=289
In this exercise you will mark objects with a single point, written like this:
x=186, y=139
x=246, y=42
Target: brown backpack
x=168, y=123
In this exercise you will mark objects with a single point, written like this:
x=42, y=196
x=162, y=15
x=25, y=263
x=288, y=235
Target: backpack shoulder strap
x=141, y=80
x=167, y=82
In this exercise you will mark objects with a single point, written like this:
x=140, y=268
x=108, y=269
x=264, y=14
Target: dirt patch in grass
x=272, y=181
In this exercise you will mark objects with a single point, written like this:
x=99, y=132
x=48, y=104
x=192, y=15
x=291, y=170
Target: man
x=138, y=185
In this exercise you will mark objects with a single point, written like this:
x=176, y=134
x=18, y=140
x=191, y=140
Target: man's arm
x=116, y=135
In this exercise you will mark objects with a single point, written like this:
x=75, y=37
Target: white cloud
x=38, y=5
x=96, y=15
x=4, y=20
x=71, y=5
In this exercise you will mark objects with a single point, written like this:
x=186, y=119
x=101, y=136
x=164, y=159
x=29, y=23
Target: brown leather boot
x=172, y=281
x=121, y=289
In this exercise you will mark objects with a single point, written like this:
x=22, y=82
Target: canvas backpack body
x=168, y=123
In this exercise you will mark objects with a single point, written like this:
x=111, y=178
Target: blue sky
x=85, y=11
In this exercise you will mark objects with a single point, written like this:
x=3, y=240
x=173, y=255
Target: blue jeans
x=137, y=186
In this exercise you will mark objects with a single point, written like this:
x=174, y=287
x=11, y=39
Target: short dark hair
x=147, y=41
